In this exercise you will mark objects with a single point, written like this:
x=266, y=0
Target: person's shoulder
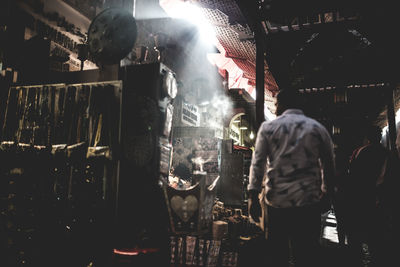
x=317, y=127
x=281, y=119
x=266, y=124
x=314, y=123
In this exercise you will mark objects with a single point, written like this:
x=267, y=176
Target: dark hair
x=373, y=133
x=290, y=98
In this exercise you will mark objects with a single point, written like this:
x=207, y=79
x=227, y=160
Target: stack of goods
x=197, y=251
x=220, y=247
x=239, y=225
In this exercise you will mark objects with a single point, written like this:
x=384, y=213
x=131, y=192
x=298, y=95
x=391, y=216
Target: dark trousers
x=296, y=231
x=370, y=227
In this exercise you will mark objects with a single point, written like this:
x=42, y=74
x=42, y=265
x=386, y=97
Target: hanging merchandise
x=78, y=159
x=56, y=174
x=170, y=87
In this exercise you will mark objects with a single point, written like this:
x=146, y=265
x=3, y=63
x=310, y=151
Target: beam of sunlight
x=193, y=14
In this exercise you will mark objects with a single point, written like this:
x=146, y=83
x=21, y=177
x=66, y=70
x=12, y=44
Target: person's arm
x=257, y=171
x=328, y=161
x=258, y=161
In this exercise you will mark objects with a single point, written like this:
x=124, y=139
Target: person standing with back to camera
x=365, y=220
x=295, y=153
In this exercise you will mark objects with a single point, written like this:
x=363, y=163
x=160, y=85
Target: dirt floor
x=333, y=254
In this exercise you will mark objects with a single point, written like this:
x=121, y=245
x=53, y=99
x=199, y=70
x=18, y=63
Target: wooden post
x=391, y=118
x=226, y=81
x=259, y=77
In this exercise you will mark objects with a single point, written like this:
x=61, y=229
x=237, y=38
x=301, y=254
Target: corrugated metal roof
x=236, y=37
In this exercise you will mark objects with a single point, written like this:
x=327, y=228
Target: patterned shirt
x=296, y=155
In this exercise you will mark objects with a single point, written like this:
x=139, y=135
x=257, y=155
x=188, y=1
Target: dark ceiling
x=325, y=42
x=326, y=49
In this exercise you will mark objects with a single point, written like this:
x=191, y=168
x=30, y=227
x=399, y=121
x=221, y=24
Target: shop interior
x=128, y=126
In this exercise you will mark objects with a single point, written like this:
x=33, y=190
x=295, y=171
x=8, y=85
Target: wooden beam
x=310, y=28
x=250, y=11
x=260, y=86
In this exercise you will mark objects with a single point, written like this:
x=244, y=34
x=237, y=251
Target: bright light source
x=251, y=136
x=243, y=128
x=193, y=14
